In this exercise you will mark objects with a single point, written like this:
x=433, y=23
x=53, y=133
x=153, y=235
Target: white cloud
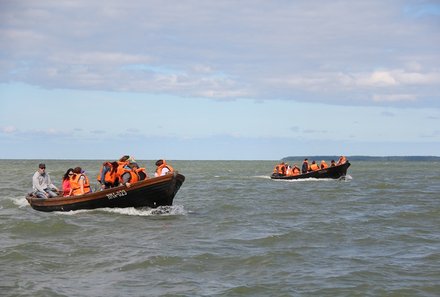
x=324, y=51
x=394, y=97
x=8, y=129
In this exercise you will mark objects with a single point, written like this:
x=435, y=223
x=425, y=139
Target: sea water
x=232, y=231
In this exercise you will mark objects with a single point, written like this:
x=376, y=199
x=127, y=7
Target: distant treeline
x=365, y=158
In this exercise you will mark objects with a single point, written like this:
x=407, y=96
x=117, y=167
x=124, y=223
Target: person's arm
x=50, y=185
x=81, y=184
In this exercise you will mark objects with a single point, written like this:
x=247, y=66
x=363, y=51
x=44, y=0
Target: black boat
x=152, y=192
x=333, y=172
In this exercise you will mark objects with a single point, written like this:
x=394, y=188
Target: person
x=42, y=184
x=314, y=166
x=305, y=166
x=332, y=163
x=295, y=170
x=107, y=176
x=79, y=183
x=280, y=169
x=341, y=160
x=324, y=164
x=162, y=168
x=65, y=186
x=128, y=174
x=289, y=171
x=140, y=171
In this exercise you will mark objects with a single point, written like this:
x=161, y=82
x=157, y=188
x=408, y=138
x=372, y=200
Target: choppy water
x=231, y=232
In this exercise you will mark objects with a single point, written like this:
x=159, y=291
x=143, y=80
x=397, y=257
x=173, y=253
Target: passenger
x=341, y=160
x=79, y=183
x=324, y=164
x=332, y=164
x=141, y=172
x=128, y=175
x=66, y=182
x=107, y=175
x=42, y=185
x=289, y=170
x=162, y=168
x=314, y=166
x=281, y=169
x=305, y=166
x=295, y=170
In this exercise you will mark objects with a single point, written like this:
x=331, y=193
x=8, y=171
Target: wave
x=173, y=210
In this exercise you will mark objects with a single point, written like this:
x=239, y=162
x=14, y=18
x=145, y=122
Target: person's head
x=159, y=162
x=68, y=173
x=42, y=168
x=124, y=158
x=77, y=170
x=306, y=159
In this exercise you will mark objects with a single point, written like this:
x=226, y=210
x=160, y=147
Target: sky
x=218, y=80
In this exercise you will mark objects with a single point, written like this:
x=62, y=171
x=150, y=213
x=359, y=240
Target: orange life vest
x=295, y=171
x=110, y=175
x=314, y=167
x=324, y=165
x=133, y=175
x=164, y=165
x=76, y=188
x=142, y=173
x=342, y=160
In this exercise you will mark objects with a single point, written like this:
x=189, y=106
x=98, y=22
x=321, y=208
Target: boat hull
x=334, y=172
x=153, y=192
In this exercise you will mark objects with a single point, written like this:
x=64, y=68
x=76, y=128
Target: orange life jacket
x=133, y=175
x=324, y=165
x=296, y=171
x=282, y=169
x=110, y=175
x=142, y=173
x=121, y=169
x=342, y=160
x=314, y=167
x=164, y=165
x=76, y=188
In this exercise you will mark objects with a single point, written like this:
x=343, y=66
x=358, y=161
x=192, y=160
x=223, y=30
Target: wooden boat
x=334, y=172
x=152, y=192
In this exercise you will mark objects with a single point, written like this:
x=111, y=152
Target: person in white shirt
x=42, y=185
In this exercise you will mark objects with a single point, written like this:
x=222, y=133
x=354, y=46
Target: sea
x=232, y=231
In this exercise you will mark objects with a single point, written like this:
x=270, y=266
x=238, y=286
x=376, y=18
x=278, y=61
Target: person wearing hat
x=42, y=184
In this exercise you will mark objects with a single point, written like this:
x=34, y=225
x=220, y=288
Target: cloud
x=9, y=129
x=324, y=51
x=394, y=98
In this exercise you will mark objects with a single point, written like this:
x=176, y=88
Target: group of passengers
x=75, y=182
x=287, y=170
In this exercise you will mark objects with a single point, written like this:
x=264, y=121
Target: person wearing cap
x=42, y=184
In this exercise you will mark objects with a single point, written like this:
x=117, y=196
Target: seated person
x=42, y=184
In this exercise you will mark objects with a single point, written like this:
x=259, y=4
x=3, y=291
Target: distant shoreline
x=365, y=158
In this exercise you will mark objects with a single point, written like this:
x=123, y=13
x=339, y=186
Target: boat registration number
x=117, y=194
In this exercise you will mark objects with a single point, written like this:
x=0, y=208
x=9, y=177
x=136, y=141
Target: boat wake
x=173, y=210
x=262, y=176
